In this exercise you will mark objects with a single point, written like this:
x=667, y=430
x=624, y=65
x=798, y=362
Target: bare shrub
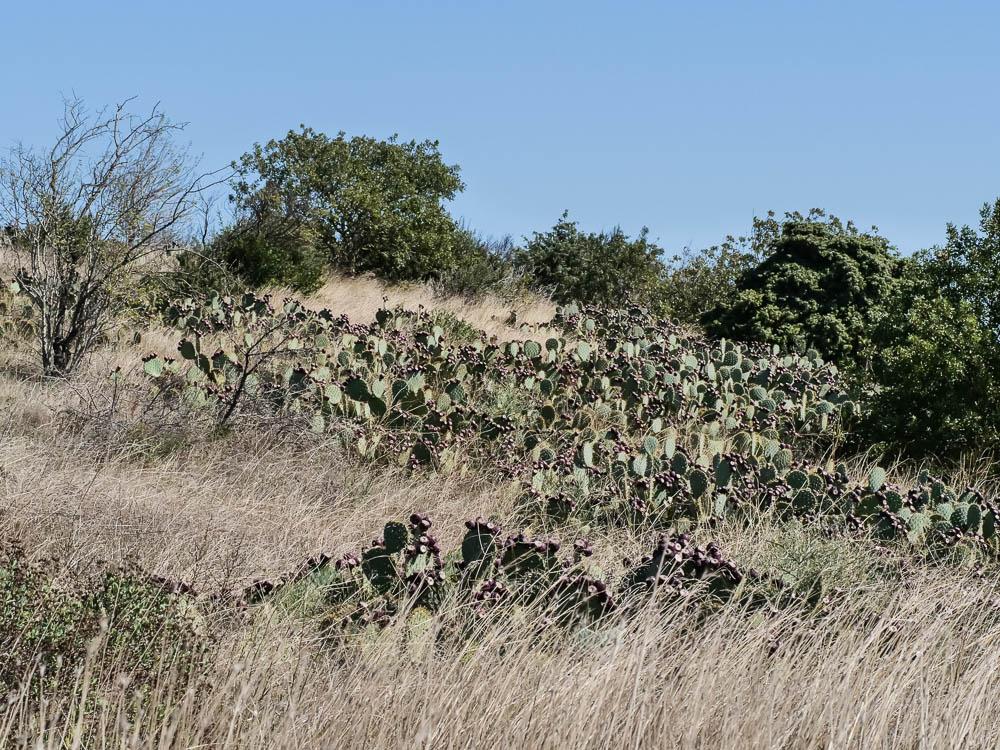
x=81, y=218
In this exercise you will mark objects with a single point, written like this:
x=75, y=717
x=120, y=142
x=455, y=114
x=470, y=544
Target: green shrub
x=821, y=284
x=814, y=564
x=45, y=620
x=935, y=391
x=481, y=266
x=18, y=320
x=263, y=255
x=197, y=272
x=605, y=268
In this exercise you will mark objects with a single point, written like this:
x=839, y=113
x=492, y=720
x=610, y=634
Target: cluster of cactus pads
x=490, y=571
x=624, y=418
x=400, y=375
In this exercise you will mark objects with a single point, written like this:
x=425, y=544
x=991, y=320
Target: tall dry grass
x=360, y=297
x=921, y=674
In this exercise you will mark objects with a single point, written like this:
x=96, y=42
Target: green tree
x=370, y=205
x=935, y=391
x=605, y=268
x=966, y=270
x=933, y=385
x=821, y=284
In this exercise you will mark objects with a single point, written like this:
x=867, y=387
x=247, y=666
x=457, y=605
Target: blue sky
x=688, y=117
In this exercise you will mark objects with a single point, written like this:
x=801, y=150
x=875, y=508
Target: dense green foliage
x=934, y=387
x=601, y=268
x=368, y=205
x=262, y=255
x=428, y=400
x=820, y=284
x=966, y=270
x=696, y=282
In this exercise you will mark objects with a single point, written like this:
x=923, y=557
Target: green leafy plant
x=606, y=268
x=820, y=284
x=695, y=282
x=140, y=624
x=262, y=254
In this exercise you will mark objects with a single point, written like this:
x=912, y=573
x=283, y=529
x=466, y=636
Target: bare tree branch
x=81, y=217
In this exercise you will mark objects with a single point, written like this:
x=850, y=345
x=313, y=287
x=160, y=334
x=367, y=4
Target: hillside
x=375, y=516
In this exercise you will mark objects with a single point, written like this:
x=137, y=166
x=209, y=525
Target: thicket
x=623, y=420
x=482, y=266
x=915, y=335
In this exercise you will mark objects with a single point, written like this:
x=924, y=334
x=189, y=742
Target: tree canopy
x=821, y=284
x=370, y=205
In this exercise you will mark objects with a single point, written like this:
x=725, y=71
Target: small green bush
x=18, y=319
x=603, y=268
x=966, y=270
x=45, y=621
x=263, y=255
x=456, y=330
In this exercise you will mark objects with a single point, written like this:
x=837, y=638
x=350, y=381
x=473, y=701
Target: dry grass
x=906, y=659
x=920, y=676
x=217, y=513
x=360, y=297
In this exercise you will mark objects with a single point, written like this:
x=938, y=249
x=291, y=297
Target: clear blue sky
x=688, y=117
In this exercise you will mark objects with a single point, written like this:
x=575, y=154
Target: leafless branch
x=82, y=216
